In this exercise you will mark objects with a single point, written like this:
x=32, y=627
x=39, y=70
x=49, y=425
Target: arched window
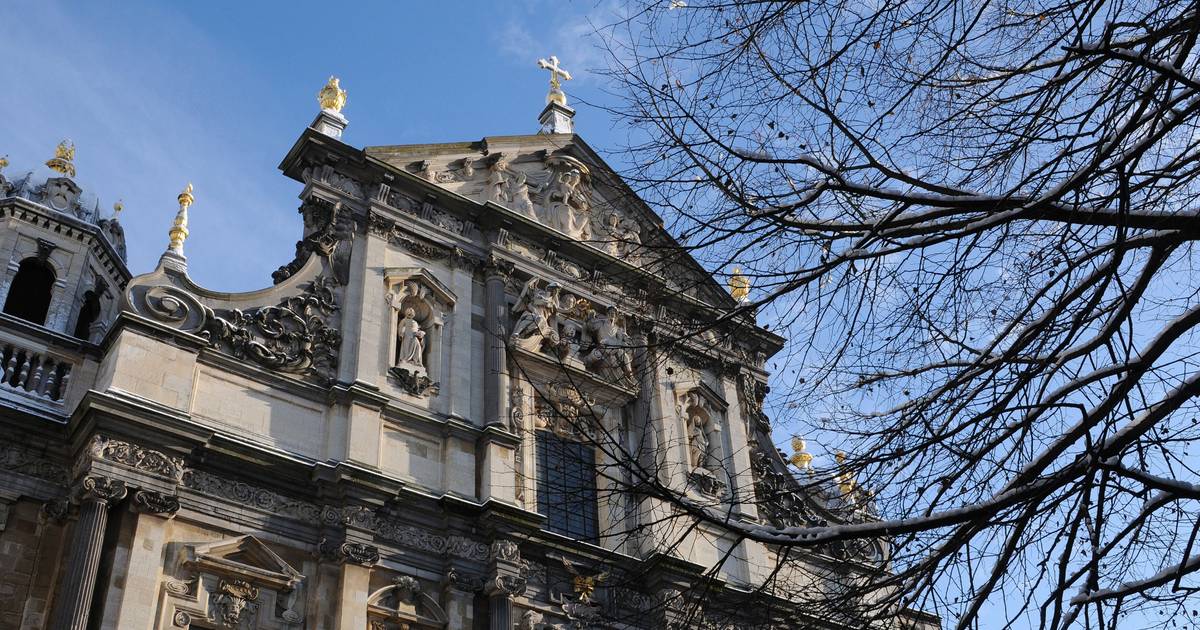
x=89, y=310
x=29, y=294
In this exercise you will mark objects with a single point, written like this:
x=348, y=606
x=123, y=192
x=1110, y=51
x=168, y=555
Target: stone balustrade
x=34, y=373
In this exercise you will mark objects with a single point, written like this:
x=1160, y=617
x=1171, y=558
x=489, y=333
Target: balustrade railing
x=32, y=373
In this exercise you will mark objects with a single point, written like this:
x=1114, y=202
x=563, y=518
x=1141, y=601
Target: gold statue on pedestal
x=63, y=160
x=332, y=97
x=739, y=285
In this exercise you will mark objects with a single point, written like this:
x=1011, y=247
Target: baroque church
x=489, y=392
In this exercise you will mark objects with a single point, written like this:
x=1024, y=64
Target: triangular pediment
x=244, y=557
x=560, y=184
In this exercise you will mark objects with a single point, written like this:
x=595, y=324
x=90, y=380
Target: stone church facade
x=429, y=420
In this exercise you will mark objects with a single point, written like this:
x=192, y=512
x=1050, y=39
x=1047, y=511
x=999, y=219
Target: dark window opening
x=567, y=487
x=88, y=312
x=29, y=294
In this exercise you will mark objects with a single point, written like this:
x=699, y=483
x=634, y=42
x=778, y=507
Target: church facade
x=467, y=403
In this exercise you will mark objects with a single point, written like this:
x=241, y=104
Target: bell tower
x=64, y=258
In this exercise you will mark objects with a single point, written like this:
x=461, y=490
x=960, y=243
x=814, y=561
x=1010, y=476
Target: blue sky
x=158, y=94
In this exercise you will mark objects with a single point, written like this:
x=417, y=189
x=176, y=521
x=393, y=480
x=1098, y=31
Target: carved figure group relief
x=555, y=190
x=568, y=328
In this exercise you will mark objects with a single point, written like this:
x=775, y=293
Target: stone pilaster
x=97, y=495
x=495, y=361
x=134, y=577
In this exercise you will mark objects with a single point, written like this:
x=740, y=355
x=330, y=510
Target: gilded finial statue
x=179, y=229
x=556, y=94
x=332, y=96
x=801, y=458
x=63, y=160
x=117, y=208
x=3, y=162
x=739, y=285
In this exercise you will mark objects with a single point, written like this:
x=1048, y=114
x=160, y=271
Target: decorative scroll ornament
x=330, y=233
x=155, y=502
x=293, y=337
x=357, y=553
x=102, y=489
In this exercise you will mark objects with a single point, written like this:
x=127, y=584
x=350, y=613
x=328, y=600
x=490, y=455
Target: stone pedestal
x=97, y=494
x=330, y=123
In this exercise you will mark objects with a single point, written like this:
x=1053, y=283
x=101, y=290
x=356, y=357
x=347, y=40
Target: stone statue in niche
x=411, y=342
x=701, y=441
x=537, y=311
x=609, y=357
x=410, y=362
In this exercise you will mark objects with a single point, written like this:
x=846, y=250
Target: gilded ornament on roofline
x=332, y=96
x=179, y=229
x=63, y=160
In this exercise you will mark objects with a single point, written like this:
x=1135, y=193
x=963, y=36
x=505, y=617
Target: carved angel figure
x=411, y=340
x=536, y=324
x=610, y=357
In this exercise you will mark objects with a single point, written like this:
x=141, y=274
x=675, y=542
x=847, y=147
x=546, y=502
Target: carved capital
x=357, y=553
x=102, y=489
x=150, y=502
x=497, y=268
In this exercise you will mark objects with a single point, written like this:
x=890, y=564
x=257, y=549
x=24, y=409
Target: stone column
x=79, y=580
x=495, y=361
x=507, y=576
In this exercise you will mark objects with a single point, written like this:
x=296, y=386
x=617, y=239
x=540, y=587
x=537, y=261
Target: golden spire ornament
x=179, y=229
x=3, y=162
x=63, y=160
x=845, y=480
x=117, y=208
x=555, y=95
x=739, y=285
x=801, y=458
x=332, y=97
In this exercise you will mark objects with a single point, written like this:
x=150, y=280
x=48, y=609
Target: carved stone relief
x=568, y=328
x=296, y=336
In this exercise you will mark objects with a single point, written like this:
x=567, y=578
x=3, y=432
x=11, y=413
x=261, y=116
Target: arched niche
x=701, y=412
x=420, y=306
x=404, y=605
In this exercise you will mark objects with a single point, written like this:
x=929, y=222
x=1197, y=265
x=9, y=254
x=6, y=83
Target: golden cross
x=555, y=71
